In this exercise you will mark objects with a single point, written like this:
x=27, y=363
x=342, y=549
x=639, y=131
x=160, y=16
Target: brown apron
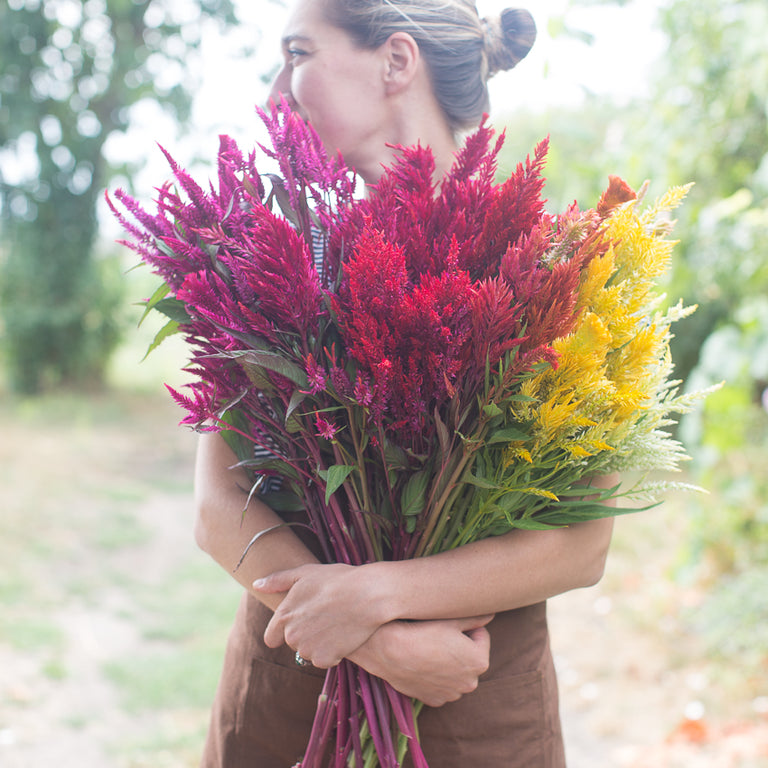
x=263, y=711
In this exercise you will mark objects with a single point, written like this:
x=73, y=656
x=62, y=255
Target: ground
x=113, y=624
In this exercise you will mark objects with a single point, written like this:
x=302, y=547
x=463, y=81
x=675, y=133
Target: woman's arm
x=499, y=573
x=496, y=574
x=335, y=611
x=433, y=661
x=436, y=661
x=223, y=531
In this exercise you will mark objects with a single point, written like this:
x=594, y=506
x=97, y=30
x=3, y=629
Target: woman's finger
x=474, y=622
x=274, y=634
x=279, y=581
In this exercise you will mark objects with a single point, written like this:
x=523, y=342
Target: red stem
x=323, y=722
x=402, y=706
x=374, y=717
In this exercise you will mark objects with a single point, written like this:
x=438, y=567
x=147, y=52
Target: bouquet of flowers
x=431, y=365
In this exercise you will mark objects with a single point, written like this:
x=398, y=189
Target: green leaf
x=169, y=329
x=229, y=209
x=149, y=304
x=535, y=524
x=259, y=378
x=281, y=467
x=250, y=188
x=256, y=361
x=283, y=501
x=395, y=456
x=491, y=410
x=334, y=477
x=173, y=309
x=480, y=482
x=414, y=496
x=577, y=512
x=221, y=269
x=248, y=339
x=292, y=421
x=163, y=247
x=280, y=194
x=580, y=491
x=238, y=443
x=442, y=434
x=507, y=435
x=230, y=404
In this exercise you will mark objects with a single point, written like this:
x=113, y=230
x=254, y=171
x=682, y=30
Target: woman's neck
x=417, y=121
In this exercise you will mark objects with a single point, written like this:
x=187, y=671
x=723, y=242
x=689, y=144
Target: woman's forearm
x=330, y=610
x=433, y=661
x=335, y=608
x=223, y=531
x=500, y=573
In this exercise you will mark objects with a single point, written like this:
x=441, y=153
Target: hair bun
x=508, y=38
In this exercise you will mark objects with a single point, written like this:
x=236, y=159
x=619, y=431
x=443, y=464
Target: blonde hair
x=461, y=50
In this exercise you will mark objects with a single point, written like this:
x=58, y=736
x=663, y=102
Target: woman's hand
x=433, y=661
x=330, y=612
x=327, y=613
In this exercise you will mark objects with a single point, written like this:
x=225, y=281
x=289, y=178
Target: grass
x=30, y=632
x=120, y=529
x=179, y=676
x=96, y=521
x=184, y=622
x=197, y=599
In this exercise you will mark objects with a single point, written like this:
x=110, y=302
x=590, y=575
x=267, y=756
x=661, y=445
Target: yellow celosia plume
x=611, y=366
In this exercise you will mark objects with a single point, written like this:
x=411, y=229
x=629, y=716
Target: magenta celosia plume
x=362, y=344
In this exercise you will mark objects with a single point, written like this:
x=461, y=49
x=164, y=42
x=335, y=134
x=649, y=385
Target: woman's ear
x=401, y=60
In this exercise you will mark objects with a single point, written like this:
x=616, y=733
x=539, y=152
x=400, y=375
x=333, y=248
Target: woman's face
x=334, y=84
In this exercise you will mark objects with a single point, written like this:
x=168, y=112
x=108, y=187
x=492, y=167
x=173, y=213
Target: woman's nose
x=281, y=87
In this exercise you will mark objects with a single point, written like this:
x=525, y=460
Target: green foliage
x=712, y=92
x=729, y=530
x=712, y=102
x=24, y=632
x=706, y=123
x=60, y=307
x=711, y=127
x=736, y=352
x=744, y=596
x=69, y=74
x=587, y=144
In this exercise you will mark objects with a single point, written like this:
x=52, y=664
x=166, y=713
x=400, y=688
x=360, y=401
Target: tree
x=707, y=123
x=69, y=72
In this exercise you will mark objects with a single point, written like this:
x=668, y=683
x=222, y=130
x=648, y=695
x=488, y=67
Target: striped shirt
x=271, y=484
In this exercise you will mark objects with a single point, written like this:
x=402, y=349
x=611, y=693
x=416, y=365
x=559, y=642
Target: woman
x=472, y=641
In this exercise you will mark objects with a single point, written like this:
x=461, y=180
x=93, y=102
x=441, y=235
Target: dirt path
x=635, y=689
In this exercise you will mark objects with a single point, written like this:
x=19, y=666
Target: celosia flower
x=315, y=374
x=442, y=363
x=325, y=428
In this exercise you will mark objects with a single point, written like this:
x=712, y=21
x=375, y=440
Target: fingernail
x=259, y=583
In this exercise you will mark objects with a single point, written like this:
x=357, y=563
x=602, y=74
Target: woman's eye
x=295, y=53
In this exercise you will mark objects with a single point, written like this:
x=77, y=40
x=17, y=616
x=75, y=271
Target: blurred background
x=112, y=625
